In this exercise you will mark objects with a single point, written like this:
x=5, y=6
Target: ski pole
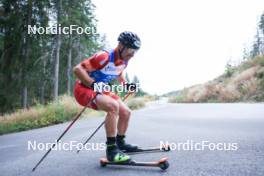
x=65, y=131
x=125, y=97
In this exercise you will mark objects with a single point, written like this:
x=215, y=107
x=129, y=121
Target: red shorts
x=85, y=96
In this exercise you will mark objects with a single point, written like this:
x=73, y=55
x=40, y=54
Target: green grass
x=136, y=103
x=54, y=112
x=177, y=99
x=42, y=115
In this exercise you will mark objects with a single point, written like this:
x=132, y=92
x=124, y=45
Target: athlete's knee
x=125, y=113
x=112, y=107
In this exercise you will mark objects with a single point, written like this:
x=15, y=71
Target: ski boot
x=114, y=154
x=122, y=145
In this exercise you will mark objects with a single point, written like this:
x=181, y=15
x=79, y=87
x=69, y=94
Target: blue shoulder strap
x=111, y=54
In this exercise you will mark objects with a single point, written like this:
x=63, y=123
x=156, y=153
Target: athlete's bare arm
x=81, y=73
x=96, y=62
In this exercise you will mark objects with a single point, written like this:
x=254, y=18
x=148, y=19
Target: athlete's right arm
x=81, y=73
x=96, y=62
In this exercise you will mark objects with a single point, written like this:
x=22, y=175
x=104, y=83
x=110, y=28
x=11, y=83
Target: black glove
x=131, y=87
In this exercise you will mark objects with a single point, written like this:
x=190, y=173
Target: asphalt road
x=236, y=129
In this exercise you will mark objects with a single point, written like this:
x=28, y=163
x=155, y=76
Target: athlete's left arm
x=122, y=79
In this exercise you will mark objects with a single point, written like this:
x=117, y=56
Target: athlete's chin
x=127, y=58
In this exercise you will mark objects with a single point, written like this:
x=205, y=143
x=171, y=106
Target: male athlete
x=100, y=69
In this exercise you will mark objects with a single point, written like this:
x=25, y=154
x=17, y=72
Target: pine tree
x=27, y=65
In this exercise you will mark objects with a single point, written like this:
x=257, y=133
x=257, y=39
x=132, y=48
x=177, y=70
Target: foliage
x=136, y=103
x=27, y=60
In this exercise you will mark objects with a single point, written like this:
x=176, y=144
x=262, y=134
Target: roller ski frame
x=163, y=164
x=164, y=148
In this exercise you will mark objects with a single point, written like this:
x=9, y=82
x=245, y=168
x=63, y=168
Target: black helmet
x=129, y=40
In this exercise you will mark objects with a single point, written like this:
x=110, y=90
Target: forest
x=36, y=67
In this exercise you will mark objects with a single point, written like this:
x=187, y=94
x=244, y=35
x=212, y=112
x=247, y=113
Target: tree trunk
x=79, y=59
x=69, y=66
x=26, y=57
x=43, y=83
x=57, y=54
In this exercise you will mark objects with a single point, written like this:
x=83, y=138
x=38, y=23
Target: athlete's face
x=128, y=53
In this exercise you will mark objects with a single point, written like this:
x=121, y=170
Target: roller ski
x=164, y=148
x=117, y=154
x=163, y=164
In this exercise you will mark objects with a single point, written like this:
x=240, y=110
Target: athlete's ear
x=120, y=46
